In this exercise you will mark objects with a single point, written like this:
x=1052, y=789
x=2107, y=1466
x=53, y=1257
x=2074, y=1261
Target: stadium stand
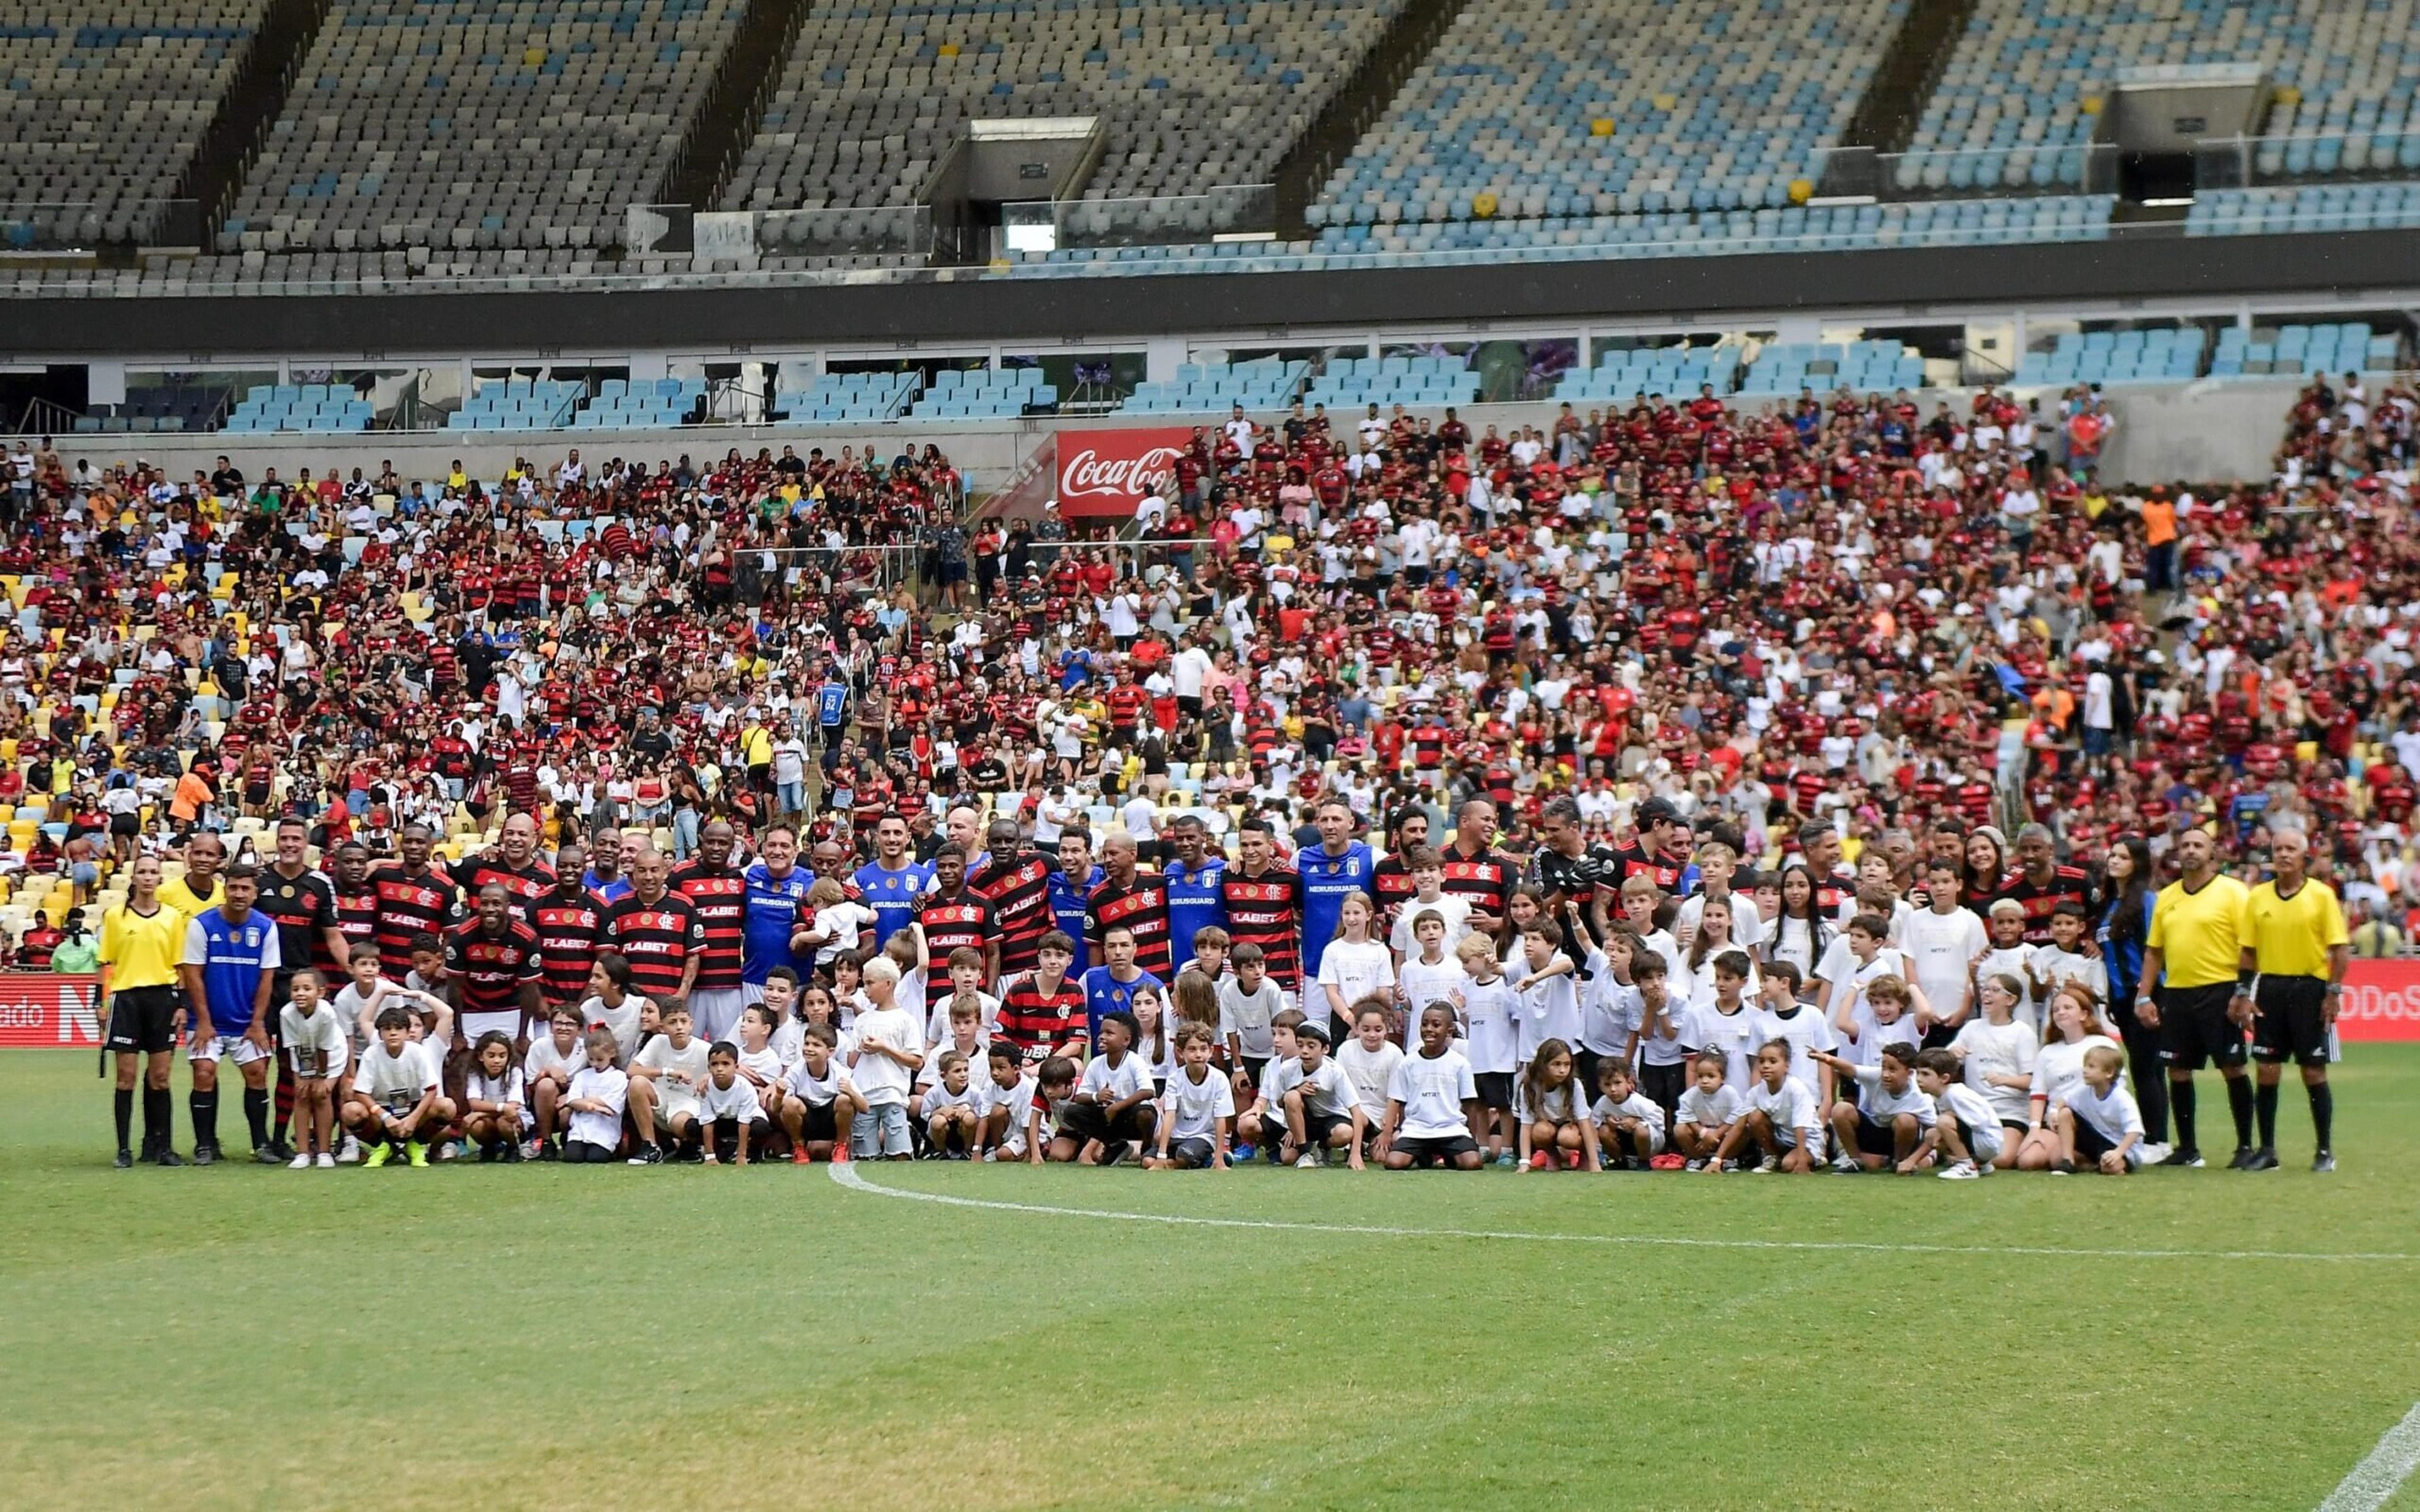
x=1193, y=96
x=104, y=108
x=2315, y=350
x=518, y=403
x=310, y=407
x=1203, y=388
x=2025, y=84
x=1351, y=383
x=2157, y=356
x=2305, y=208
x=621, y=403
x=419, y=134
x=1557, y=108
x=846, y=396
x=985, y=393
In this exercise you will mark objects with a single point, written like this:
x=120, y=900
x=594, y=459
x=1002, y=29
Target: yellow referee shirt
x=2291, y=936
x=142, y=951
x=2200, y=935
x=179, y=895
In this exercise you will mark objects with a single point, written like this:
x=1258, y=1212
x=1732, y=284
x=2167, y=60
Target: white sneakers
x=300, y=1163
x=350, y=1153
x=1962, y=1171
x=323, y=1161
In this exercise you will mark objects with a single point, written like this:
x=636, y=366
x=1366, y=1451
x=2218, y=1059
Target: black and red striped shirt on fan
x=1143, y=908
x=962, y=922
x=1019, y=896
x=1266, y=911
x=1036, y=1022
x=720, y=899
x=527, y=884
x=1664, y=870
x=566, y=930
x=657, y=939
x=492, y=967
x=408, y=906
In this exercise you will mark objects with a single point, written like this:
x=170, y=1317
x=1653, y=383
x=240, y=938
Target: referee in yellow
x=2294, y=940
x=2201, y=1004
x=142, y=941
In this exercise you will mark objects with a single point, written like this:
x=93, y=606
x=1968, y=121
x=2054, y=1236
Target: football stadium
x=1592, y=753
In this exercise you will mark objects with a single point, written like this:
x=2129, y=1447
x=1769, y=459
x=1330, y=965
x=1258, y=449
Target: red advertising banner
x=38, y=1011
x=1107, y=472
x=2382, y=1001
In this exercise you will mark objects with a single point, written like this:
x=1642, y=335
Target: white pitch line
x=2373, y=1482
x=845, y=1174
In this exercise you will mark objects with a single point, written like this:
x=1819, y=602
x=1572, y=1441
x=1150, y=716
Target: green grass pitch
x=544, y=1336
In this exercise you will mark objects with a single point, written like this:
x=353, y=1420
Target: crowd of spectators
x=1845, y=610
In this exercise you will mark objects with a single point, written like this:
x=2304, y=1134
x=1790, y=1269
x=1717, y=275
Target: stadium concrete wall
x=740, y=318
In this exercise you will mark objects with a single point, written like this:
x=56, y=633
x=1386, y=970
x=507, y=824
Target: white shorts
x=714, y=1011
x=1986, y=1144
x=474, y=1025
x=235, y=1047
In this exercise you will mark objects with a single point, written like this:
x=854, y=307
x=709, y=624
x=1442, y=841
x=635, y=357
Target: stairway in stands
x=733, y=102
x=1352, y=110
x=251, y=105
x=1885, y=117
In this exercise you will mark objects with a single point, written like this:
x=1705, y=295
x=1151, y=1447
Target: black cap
x=1657, y=812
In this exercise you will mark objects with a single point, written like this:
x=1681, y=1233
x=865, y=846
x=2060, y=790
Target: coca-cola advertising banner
x=1109, y=471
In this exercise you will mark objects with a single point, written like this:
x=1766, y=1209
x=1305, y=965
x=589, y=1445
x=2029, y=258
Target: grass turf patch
x=538, y=1336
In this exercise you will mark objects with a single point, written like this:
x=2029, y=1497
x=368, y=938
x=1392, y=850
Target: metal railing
x=2301, y=158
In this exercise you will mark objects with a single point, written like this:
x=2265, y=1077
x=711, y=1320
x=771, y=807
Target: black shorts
x=2293, y=1022
x=126, y=824
x=144, y=1019
x=1875, y=1138
x=1089, y=1120
x=1494, y=1089
x=1443, y=1151
x=1318, y=1126
x=818, y=1122
x=1256, y=1067
x=1190, y=1153
x=2194, y=1030
x=2091, y=1144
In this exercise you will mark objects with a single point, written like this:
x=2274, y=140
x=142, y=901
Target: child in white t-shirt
x=599, y=1092
x=1885, y=1129
x=316, y=1051
x=838, y=924
x=1782, y=1118
x=1629, y=1124
x=1997, y=1054
x=2049, y=967
x=2011, y=956
x=495, y=1107
x=1707, y=1109
x=1491, y=1012
x=1008, y=1095
x=1429, y=897
x=1966, y=1138
x=730, y=1112
x=819, y=1102
x=1430, y=973
x=548, y=1066
x=1370, y=1059
x=2100, y=1127
x=1197, y=1108
x=951, y=1108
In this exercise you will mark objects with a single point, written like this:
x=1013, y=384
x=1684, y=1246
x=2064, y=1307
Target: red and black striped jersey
x=566, y=930
x=303, y=907
x=1487, y=879
x=720, y=899
x=961, y=923
x=491, y=967
x=1019, y=896
x=2066, y=884
x=1664, y=870
x=408, y=906
x=527, y=884
x=1143, y=908
x=657, y=939
x=356, y=920
x=1391, y=888
x=1266, y=911
x=1038, y=1023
